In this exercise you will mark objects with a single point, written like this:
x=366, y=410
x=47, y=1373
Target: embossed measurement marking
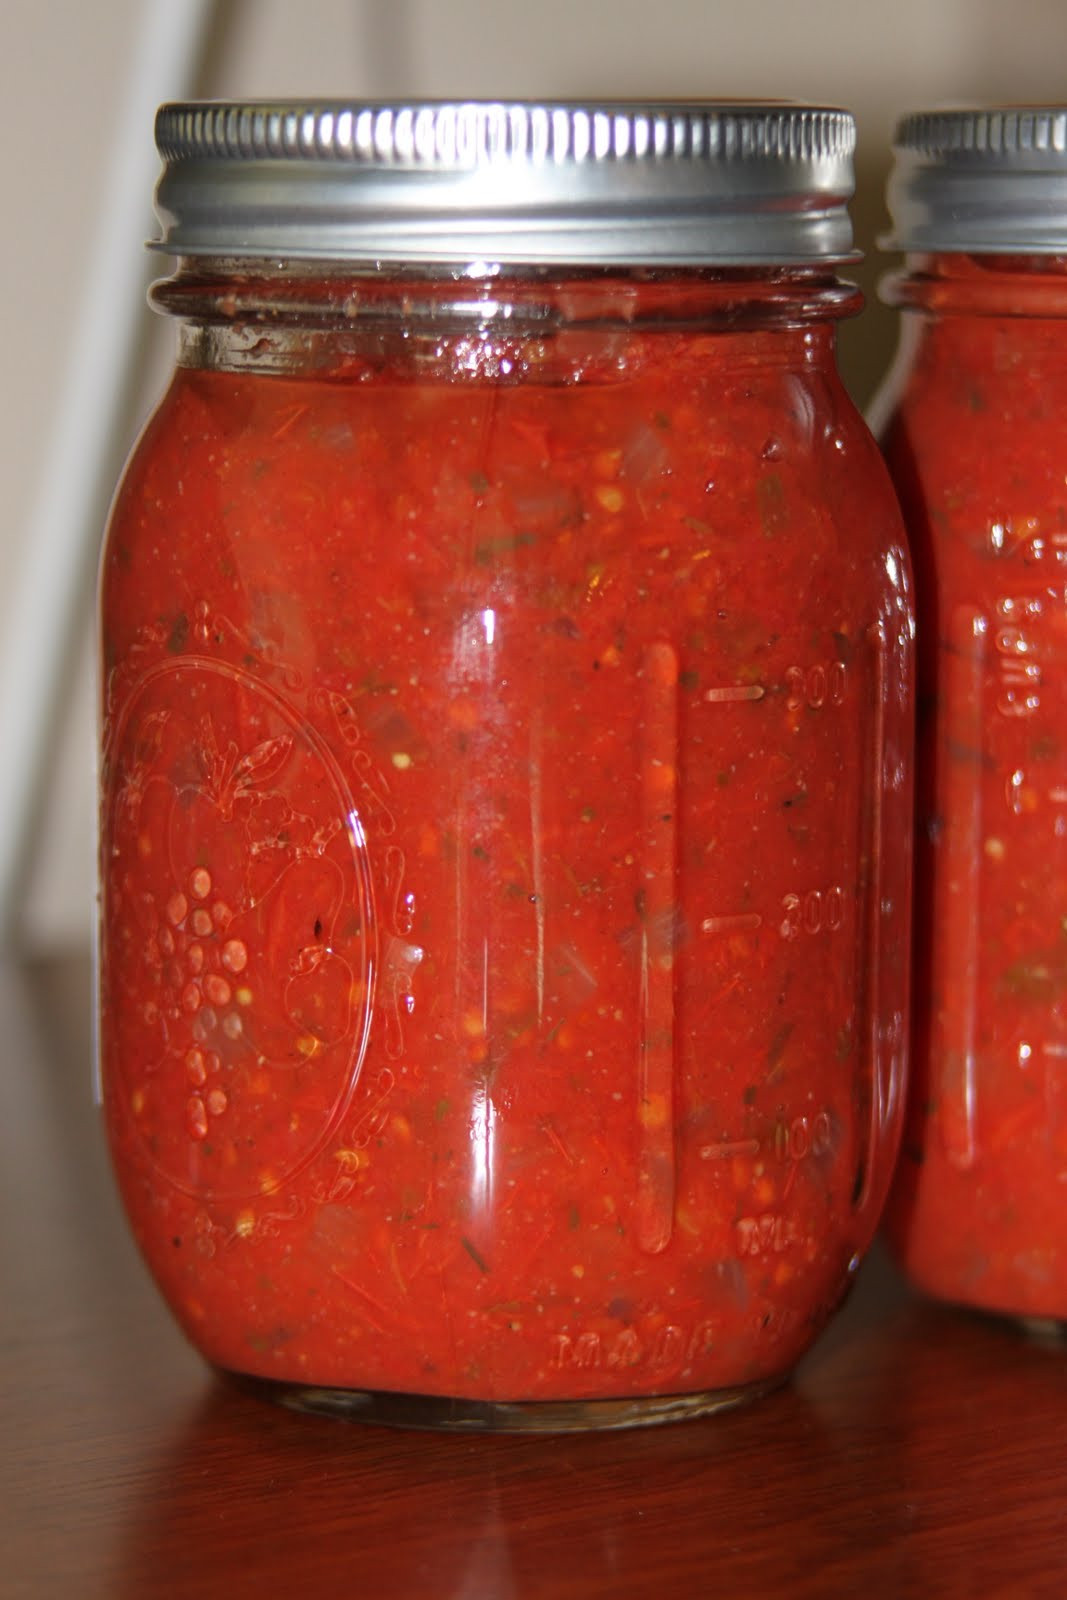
x=768, y=1235
x=742, y=922
x=956, y=895
x=726, y=1148
x=1015, y=645
x=656, y=1066
x=877, y=1079
x=734, y=692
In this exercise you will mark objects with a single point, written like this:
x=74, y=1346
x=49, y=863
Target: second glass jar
x=977, y=445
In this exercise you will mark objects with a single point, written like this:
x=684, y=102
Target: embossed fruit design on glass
x=506, y=770
x=977, y=443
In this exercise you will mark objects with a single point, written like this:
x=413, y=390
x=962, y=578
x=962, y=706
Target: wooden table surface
x=918, y=1451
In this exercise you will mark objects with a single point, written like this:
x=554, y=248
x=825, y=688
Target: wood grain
x=918, y=1451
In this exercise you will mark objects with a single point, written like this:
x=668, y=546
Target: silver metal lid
x=990, y=181
x=599, y=184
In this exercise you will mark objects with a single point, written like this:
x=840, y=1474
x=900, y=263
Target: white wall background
x=62, y=75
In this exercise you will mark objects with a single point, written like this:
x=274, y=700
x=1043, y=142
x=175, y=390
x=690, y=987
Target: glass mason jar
x=506, y=776
x=977, y=443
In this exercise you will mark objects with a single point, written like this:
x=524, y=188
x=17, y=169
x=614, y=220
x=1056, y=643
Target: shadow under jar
x=976, y=440
x=506, y=753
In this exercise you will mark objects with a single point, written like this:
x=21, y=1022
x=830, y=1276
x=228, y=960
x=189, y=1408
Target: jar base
x=443, y=1414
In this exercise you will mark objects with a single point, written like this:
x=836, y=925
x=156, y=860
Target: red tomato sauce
x=503, y=968
x=978, y=450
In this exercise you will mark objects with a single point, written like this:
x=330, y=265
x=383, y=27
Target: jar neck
x=958, y=284
x=480, y=320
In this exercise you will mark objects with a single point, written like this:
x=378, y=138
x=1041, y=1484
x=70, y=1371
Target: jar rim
x=547, y=182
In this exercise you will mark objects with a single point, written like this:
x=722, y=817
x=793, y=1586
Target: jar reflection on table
x=508, y=708
x=977, y=445
x=593, y=1513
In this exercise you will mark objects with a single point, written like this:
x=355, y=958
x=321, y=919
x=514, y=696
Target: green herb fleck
x=770, y=498
x=776, y=1049
x=1033, y=980
x=179, y=634
x=966, y=754
x=489, y=550
x=574, y=1219
x=475, y=1255
x=440, y=1110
